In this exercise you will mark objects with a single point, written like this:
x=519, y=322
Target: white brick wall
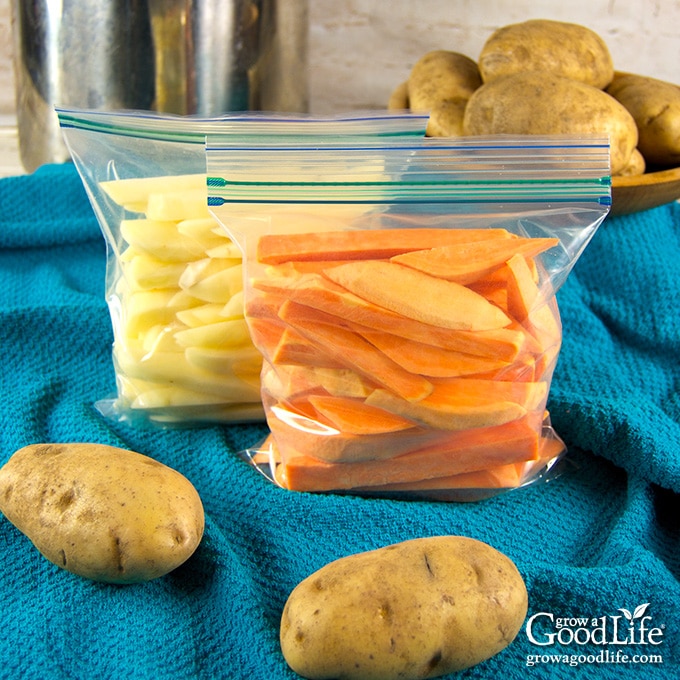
x=360, y=50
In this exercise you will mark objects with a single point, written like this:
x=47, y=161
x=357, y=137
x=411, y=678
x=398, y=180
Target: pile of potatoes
x=543, y=77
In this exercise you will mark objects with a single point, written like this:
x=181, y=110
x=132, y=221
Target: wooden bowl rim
x=648, y=179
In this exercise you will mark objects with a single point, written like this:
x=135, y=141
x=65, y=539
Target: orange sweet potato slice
x=451, y=414
x=467, y=262
x=430, y=360
x=299, y=435
x=364, y=244
x=419, y=296
x=466, y=403
x=459, y=453
x=290, y=381
x=324, y=295
x=495, y=477
x=353, y=351
x=354, y=416
x=294, y=348
x=522, y=291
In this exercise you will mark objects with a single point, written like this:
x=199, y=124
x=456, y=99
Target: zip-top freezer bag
x=403, y=299
x=182, y=351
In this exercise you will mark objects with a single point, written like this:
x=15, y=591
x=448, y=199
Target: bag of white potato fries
x=403, y=299
x=182, y=351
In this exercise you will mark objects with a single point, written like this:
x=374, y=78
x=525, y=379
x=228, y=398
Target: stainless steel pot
x=204, y=57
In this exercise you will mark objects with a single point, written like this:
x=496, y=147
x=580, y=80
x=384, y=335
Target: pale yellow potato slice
x=234, y=308
x=225, y=251
x=200, y=270
x=144, y=272
x=160, y=239
x=136, y=190
x=178, y=206
x=230, y=333
x=141, y=310
x=202, y=315
x=204, y=231
x=244, y=362
x=218, y=287
x=164, y=367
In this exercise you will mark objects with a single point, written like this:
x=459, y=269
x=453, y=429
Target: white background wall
x=359, y=50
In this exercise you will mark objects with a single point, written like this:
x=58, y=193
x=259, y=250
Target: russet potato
x=655, y=106
x=441, y=75
x=561, y=48
x=535, y=103
x=417, y=609
x=104, y=513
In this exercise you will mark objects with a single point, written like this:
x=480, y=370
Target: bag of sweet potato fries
x=403, y=298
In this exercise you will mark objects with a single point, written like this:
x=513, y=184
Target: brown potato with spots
x=398, y=100
x=636, y=165
x=561, y=48
x=446, y=118
x=417, y=609
x=439, y=76
x=655, y=106
x=537, y=103
x=101, y=512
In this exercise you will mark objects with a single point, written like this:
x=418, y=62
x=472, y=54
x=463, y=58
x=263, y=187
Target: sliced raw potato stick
x=235, y=307
x=141, y=310
x=223, y=334
x=200, y=270
x=161, y=240
x=172, y=368
x=177, y=206
x=202, y=315
x=419, y=296
x=136, y=190
x=245, y=362
x=218, y=282
x=364, y=245
x=205, y=231
x=143, y=272
x=468, y=262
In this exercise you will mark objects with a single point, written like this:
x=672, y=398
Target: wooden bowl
x=641, y=192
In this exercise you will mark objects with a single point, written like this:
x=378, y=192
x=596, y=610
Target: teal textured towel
x=599, y=546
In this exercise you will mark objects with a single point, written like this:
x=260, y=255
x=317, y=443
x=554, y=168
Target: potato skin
x=101, y=512
x=398, y=100
x=536, y=103
x=655, y=107
x=417, y=609
x=636, y=165
x=564, y=49
x=441, y=75
x=446, y=118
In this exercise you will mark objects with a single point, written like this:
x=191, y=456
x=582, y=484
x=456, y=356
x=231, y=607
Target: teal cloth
x=600, y=538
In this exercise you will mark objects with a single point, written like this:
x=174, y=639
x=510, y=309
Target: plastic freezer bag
x=403, y=300
x=182, y=350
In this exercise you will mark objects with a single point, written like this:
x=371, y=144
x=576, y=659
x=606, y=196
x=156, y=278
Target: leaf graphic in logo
x=640, y=610
x=626, y=613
